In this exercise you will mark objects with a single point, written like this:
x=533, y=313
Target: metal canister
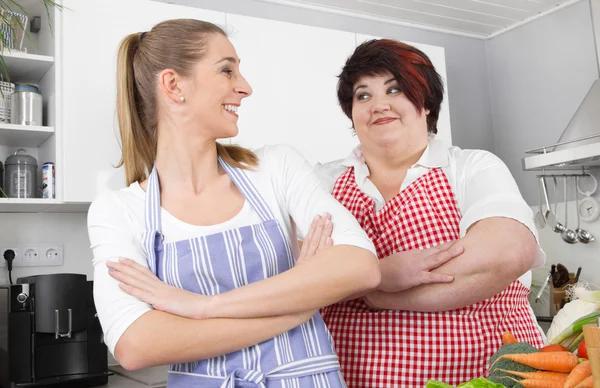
x=48, y=179
x=21, y=171
x=26, y=105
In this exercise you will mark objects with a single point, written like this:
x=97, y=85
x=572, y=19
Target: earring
x=181, y=98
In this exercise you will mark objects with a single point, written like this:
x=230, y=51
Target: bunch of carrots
x=557, y=368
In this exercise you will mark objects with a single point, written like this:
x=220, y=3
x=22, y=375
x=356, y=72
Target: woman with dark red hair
x=410, y=192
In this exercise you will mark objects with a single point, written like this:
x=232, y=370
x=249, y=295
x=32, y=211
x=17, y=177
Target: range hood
x=579, y=144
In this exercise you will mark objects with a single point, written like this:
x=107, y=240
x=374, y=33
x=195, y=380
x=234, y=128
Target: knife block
x=558, y=296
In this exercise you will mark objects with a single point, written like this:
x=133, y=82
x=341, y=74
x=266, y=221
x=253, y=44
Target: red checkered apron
x=393, y=348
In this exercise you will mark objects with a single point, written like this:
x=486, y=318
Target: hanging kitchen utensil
x=567, y=235
x=550, y=216
x=540, y=218
x=582, y=235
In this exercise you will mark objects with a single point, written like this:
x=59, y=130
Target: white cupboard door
x=92, y=31
x=437, y=56
x=293, y=73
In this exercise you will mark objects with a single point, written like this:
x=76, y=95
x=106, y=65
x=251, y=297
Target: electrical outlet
x=6, y=248
x=51, y=255
x=30, y=254
x=33, y=255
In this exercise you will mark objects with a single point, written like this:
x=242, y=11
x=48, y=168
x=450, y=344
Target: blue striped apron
x=216, y=263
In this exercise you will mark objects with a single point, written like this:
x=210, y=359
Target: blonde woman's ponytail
x=138, y=144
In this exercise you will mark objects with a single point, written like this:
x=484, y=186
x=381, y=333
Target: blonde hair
x=174, y=44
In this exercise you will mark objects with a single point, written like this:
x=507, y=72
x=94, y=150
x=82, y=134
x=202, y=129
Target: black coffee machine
x=50, y=335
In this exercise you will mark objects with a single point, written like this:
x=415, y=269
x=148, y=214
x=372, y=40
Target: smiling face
x=384, y=117
x=214, y=90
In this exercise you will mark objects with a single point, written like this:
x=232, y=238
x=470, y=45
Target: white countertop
x=154, y=377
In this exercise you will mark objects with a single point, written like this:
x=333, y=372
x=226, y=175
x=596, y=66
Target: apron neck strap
x=237, y=175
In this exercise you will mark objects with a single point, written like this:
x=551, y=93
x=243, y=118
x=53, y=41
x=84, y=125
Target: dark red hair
x=411, y=68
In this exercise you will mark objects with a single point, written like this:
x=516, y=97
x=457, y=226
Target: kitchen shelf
x=40, y=205
x=582, y=153
x=24, y=135
x=23, y=67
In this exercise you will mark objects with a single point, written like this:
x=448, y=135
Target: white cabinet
x=91, y=34
x=35, y=66
x=293, y=71
x=437, y=56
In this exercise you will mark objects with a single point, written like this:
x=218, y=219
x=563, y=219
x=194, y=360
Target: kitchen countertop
x=153, y=377
x=118, y=381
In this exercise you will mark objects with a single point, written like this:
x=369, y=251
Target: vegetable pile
x=561, y=363
x=520, y=365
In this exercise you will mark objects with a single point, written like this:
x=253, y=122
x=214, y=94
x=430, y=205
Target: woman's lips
x=384, y=120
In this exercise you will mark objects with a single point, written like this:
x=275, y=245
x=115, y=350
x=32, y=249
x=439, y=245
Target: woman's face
x=215, y=90
x=384, y=118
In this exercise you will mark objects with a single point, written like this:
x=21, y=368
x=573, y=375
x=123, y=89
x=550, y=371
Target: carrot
x=538, y=383
x=508, y=338
x=543, y=375
x=578, y=374
x=588, y=382
x=548, y=361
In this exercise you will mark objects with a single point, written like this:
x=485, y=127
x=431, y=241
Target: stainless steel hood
x=579, y=144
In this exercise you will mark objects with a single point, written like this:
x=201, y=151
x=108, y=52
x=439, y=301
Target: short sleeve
x=112, y=236
x=487, y=189
x=305, y=197
x=328, y=173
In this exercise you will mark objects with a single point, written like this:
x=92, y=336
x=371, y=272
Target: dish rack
x=12, y=28
x=7, y=89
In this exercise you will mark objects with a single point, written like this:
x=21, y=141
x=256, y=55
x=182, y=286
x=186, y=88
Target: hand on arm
x=496, y=252
x=404, y=270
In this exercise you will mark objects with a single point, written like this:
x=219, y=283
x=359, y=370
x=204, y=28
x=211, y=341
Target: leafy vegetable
x=496, y=373
x=437, y=384
x=480, y=383
x=475, y=383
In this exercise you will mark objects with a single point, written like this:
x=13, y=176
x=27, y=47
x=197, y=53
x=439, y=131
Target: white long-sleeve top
x=283, y=177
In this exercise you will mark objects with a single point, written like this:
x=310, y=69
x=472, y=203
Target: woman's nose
x=380, y=105
x=243, y=87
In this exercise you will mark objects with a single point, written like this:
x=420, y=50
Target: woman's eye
x=362, y=96
x=227, y=70
x=393, y=90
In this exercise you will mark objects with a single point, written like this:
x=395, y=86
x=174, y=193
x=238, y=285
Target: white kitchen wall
x=465, y=59
x=538, y=75
x=469, y=112
x=70, y=230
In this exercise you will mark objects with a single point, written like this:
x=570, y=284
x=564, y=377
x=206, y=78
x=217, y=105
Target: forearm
x=464, y=291
x=159, y=338
x=495, y=254
x=328, y=277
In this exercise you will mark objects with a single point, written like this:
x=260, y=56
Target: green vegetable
x=437, y=384
x=480, y=383
x=576, y=327
x=475, y=383
x=500, y=377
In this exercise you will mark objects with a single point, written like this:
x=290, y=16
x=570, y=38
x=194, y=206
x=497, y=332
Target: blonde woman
x=201, y=271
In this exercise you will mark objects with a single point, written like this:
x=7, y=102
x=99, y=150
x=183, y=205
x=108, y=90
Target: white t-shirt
x=480, y=181
x=283, y=177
